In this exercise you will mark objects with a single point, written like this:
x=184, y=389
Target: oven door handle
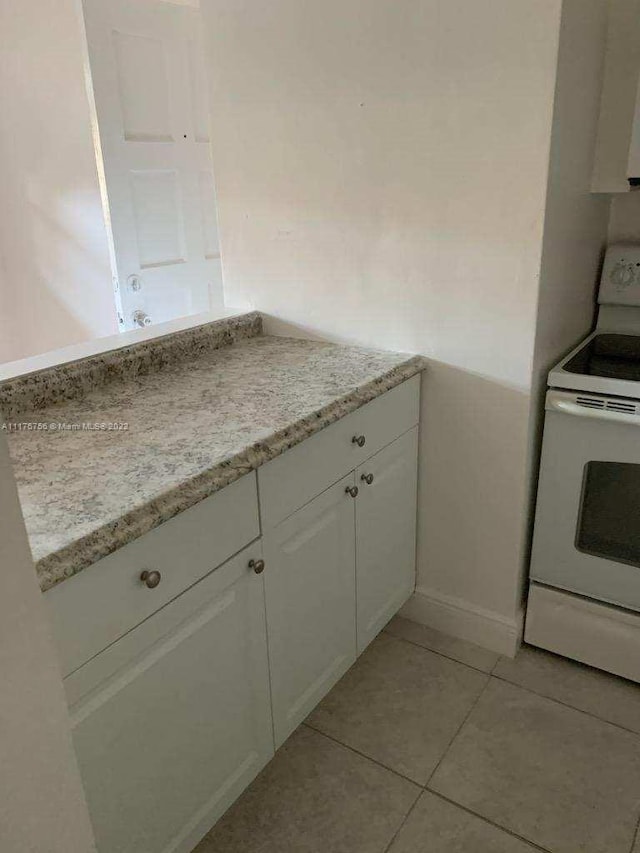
x=566, y=404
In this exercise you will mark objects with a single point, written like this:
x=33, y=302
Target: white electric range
x=584, y=594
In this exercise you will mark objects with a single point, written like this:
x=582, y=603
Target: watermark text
x=63, y=426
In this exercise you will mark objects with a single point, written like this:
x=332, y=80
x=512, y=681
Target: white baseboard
x=465, y=620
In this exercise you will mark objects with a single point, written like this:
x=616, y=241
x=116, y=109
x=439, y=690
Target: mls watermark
x=62, y=426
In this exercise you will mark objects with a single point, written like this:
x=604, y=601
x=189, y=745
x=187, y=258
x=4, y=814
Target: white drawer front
x=303, y=472
x=101, y=603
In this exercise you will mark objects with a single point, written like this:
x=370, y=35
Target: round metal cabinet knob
x=352, y=490
x=150, y=579
x=257, y=566
x=367, y=478
x=359, y=440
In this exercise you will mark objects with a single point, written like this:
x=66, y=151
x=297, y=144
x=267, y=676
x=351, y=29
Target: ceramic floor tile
x=400, y=705
x=314, y=796
x=436, y=826
x=591, y=690
x=560, y=778
x=451, y=647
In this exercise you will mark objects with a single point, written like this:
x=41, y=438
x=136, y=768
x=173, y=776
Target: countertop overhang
x=196, y=420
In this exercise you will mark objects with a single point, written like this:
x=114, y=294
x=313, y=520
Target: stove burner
x=609, y=356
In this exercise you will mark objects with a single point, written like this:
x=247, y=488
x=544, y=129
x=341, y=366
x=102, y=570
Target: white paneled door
x=148, y=72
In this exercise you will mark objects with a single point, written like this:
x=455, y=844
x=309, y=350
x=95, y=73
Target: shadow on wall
x=55, y=272
x=38, y=315
x=473, y=489
x=477, y=482
x=47, y=301
x=473, y=485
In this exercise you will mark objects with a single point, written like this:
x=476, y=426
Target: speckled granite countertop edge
x=82, y=553
x=71, y=380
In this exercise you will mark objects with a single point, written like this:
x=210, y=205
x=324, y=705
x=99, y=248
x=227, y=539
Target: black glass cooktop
x=610, y=356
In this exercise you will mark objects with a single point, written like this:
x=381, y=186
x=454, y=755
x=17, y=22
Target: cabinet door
x=385, y=534
x=174, y=719
x=311, y=605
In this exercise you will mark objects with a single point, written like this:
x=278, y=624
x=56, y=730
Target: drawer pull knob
x=150, y=579
x=367, y=478
x=257, y=566
x=359, y=440
x=352, y=490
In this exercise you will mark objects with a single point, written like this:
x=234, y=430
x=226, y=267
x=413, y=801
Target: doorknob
x=141, y=318
x=367, y=478
x=150, y=579
x=352, y=490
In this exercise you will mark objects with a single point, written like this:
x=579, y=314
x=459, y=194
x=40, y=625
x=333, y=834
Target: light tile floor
x=432, y=745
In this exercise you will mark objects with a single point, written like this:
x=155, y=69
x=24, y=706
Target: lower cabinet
x=175, y=717
x=310, y=584
x=385, y=534
x=173, y=721
x=337, y=570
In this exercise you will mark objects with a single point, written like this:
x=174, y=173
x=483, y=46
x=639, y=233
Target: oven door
x=587, y=527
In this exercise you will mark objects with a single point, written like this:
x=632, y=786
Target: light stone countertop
x=195, y=425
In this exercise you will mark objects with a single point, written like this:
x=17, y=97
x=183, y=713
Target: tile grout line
x=442, y=654
x=403, y=822
x=492, y=674
x=636, y=836
x=566, y=705
x=363, y=755
x=487, y=820
x=457, y=732
x=425, y=787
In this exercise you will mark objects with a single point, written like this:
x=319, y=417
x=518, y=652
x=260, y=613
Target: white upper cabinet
x=617, y=156
x=633, y=172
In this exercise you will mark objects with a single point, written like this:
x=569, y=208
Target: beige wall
x=42, y=805
x=576, y=220
x=381, y=169
x=624, y=223
x=55, y=281
x=575, y=232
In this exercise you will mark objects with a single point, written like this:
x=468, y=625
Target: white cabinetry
x=385, y=534
x=633, y=169
x=100, y=604
x=311, y=604
x=180, y=689
x=301, y=473
x=617, y=155
x=173, y=721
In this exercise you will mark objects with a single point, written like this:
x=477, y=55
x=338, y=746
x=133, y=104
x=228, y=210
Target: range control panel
x=620, y=282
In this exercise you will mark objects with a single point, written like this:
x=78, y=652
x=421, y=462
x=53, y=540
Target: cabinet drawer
x=303, y=472
x=101, y=603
